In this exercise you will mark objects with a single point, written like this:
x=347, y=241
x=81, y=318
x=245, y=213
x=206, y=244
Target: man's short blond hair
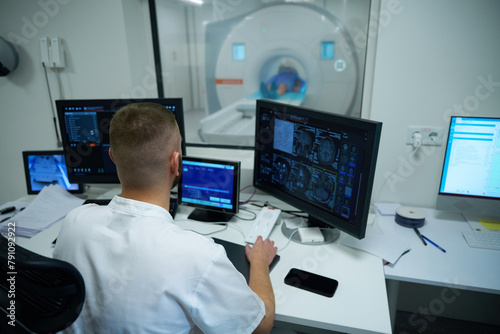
x=142, y=138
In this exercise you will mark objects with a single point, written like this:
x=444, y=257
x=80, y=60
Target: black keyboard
x=97, y=201
x=172, y=208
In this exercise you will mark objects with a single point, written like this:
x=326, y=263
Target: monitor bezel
x=236, y=185
x=29, y=187
x=373, y=130
x=113, y=104
x=446, y=151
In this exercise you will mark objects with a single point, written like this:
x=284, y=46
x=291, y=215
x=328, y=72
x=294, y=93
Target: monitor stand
x=210, y=216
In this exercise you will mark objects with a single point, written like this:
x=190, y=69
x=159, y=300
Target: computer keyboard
x=173, y=206
x=483, y=239
x=97, y=201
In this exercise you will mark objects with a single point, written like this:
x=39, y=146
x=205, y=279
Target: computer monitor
x=84, y=126
x=471, y=168
x=42, y=168
x=320, y=163
x=211, y=186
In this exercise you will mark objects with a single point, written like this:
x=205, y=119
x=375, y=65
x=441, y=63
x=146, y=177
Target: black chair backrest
x=42, y=294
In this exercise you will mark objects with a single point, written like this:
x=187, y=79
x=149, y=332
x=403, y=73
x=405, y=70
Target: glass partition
x=220, y=56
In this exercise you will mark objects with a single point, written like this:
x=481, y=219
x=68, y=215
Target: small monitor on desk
x=211, y=187
x=471, y=168
x=318, y=162
x=84, y=126
x=42, y=168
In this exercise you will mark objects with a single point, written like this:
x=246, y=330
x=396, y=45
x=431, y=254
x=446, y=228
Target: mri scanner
x=243, y=52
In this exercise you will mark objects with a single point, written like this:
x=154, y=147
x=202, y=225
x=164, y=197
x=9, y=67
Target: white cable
x=417, y=140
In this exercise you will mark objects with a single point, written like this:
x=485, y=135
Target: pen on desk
x=419, y=235
x=432, y=242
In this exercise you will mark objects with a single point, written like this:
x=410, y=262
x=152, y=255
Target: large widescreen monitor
x=471, y=168
x=84, y=126
x=318, y=162
x=211, y=187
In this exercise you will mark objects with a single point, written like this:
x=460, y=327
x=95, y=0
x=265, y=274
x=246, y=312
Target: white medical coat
x=144, y=274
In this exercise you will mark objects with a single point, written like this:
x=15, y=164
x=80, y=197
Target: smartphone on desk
x=311, y=282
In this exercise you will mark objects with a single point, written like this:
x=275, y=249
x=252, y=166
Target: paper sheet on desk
x=384, y=244
x=50, y=205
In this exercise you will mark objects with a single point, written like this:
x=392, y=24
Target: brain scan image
x=281, y=171
x=301, y=178
x=303, y=145
x=323, y=189
x=326, y=151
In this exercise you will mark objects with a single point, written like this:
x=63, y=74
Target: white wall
x=108, y=55
x=432, y=59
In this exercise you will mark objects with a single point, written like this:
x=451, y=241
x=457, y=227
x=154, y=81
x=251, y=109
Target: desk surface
x=461, y=267
x=360, y=303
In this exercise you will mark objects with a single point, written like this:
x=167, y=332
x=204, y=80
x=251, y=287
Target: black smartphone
x=311, y=282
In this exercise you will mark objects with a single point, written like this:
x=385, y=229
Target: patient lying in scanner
x=286, y=80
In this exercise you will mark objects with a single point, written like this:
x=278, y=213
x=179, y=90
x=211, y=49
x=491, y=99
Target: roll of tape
x=410, y=217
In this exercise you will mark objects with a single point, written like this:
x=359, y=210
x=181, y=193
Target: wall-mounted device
x=52, y=52
x=9, y=58
x=425, y=135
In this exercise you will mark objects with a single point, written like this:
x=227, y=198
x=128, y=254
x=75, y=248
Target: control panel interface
x=208, y=184
x=312, y=160
x=88, y=131
x=84, y=126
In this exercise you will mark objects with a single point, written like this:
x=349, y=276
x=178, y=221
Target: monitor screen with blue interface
x=472, y=159
x=84, y=126
x=211, y=186
x=321, y=163
x=43, y=168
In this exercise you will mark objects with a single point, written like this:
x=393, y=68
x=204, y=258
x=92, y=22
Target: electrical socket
x=431, y=135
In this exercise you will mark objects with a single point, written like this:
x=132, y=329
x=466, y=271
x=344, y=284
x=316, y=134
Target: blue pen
x=432, y=242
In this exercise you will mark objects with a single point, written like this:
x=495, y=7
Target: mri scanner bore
x=245, y=55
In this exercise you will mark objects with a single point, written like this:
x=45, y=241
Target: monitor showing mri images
x=320, y=163
x=315, y=161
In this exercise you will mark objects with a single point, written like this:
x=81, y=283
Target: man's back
x=145, y=274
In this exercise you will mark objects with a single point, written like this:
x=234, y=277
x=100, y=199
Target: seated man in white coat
x=144, y=274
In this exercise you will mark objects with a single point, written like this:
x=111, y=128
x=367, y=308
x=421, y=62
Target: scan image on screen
x=321, y=163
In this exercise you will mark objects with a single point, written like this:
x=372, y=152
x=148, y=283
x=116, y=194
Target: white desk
x=359, y=306
x=461, y=267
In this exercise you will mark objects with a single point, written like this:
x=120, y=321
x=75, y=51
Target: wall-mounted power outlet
x=431, y=135
x=44, y=51
x=52, y=52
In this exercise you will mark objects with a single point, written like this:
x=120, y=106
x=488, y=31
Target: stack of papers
x=50, y=205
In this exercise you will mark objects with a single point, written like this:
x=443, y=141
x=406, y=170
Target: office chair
x=48, y=294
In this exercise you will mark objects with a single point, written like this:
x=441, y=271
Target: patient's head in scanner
x=286, y=80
